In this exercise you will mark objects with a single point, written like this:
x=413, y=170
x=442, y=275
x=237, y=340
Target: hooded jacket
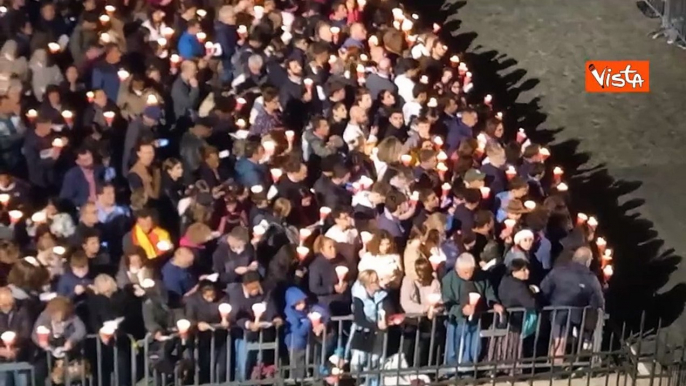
x=298, y=324
x=366, y=308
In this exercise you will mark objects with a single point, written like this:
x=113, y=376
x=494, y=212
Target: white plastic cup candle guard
x=581, y=218
x=304, y=234
x=258, y=309
x=302, y=252
x=406, y=159
x=434, y=298
x=473, y=300
x=15, y=215
x=510, y=223
x=4, y=198
x=147, y=283
x=43, y=334
x=290, y=134
x=59, y=250
x=106, y=332
x=39, y=217
x=531, y=205
x=435, y=261
x=323, y=212
x=341, y=272
x=366, y=237
x=8, y=338
x=54, y=47
x=183, y=325
x=164, y=245
x=485, y=192
x=315, y=317
x=276, y=174
x=225, y=310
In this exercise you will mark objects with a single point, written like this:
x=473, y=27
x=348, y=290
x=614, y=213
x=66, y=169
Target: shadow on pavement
x=641, y=265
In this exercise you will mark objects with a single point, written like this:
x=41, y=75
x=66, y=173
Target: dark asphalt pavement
x=624, y=150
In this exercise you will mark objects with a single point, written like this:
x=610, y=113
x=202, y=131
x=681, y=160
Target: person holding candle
x=323, y=280
x=573, y=284
x=268, y=117
x=147, y=235
x=381, y=79
x=515, y=292
x=293, y=188
x=382, y=257
x=522, y=242
x=369, y=323
x=416, y=300
x=244, y=298
x=413, y=107
x=177, y=277
x=457, y=287
x=518, y=189
x=59, y=327
x=331, y=192
x=134, y=97
x=234, y=256
x=249, y=169
x=144, y=174
x=81, y=181
x=319, y=141
x=201, y=309
x=76, y=279
x=41, y=155
x=226, y=35
x=105, y=75
x=15, y=318
x=189, y=46
x=305, y=324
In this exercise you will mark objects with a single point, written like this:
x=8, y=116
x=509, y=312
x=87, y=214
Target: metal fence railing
x=529, y=346
x=672, y=14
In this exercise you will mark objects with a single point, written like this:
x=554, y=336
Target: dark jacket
x=75, y=188
x=68, y=281
x=185, y=97
x=457, y=132
x=18, y=320
x=321, y=281
x=571, y=284
x=455, y=295
x=198, y=309
x=242, y=312
x=105, y=77
x=515, y=293
x=225, y=261
x=495, y=178
x=377, y=83
x=41, y=165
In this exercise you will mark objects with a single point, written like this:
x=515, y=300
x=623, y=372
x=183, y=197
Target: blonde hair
x=319, y=243
x=198, y=233
x=390, y=150
x=104, y=285
x=368, y=277
x=282, y=207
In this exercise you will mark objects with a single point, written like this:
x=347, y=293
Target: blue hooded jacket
x=298, y=325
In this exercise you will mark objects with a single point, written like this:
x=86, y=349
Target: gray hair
x=583, y=255
x=255, y=61
x=465, y=261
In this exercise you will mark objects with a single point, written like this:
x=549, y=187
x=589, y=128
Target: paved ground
x=625, y=150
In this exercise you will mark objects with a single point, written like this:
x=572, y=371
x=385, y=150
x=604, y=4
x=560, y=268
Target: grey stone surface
x=624, y=150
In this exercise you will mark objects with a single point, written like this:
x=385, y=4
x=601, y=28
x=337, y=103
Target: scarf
x=149, y=241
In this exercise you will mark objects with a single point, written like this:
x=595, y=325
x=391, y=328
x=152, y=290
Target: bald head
x=358, y=32
x=6, y=300
x=385, y=66
x=183, y=257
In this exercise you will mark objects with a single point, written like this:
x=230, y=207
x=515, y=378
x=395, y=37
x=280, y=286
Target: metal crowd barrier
x=418, y=348
x=673, y=18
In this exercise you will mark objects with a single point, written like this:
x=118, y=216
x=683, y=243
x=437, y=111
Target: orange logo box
x=617, y=76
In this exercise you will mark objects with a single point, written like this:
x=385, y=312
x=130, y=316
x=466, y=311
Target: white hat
x=523, y=234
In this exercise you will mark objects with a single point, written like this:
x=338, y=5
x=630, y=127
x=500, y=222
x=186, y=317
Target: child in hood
x=305, y=324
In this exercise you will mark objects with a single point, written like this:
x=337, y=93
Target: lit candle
x=54, y=47
x=4, y=198
x=304, y=234
x=104, y=19
x=258, y=10
x=39, y=217
x=31, y=115
x=302, y=251
x=109, y=117
x=201, y=13
x=209, y=48
x=15, y=216
x=445, y=188
x=557, y=174
x=592, y=222
x=110, y=9
x=530, y=205
x=398, y=14
x=406, y=159
x=58, y=143
x=454, y=60
x=333, y=59
x=442, y=169
x=436, y=28
x=68, y=117
x=335, y=31
x=183, y=325
x=462, y=68
x=360, y=72
x=361, y=4
x=341, y=272
x=242, y=31
x=151, y=100
x=441, y=157
x=201, y=36
x=601, y=244
x=276, y=174
x=162, y=42
x=122, y=74
x=168, y=32
x=607, y=255
x=510, y=223
x=290, y=135
x=164, y=245
x=373, y=40
x=43, y=335
x=414, y=198
x=467, y=78
x=8, y=338
x=608, y=272
x=433, y=103
x=240, y=123
x=91, y=96
x=511, y=172
x=488, y=99
x=308, y=84
x=562, y=187
x=485, y=192
x=521, y=135
x=424, y=79
x=59, y=250
x=323, y=212
x=406, y=25
x=581, y=218
x=225, y=310
x=240, y=102
x=106, y=332
x=544, y=153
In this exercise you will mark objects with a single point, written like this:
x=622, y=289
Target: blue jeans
x=13, y=378
x=245, y=360
x=463, y=343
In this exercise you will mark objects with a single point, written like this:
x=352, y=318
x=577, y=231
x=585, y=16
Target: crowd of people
x=214, y=174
